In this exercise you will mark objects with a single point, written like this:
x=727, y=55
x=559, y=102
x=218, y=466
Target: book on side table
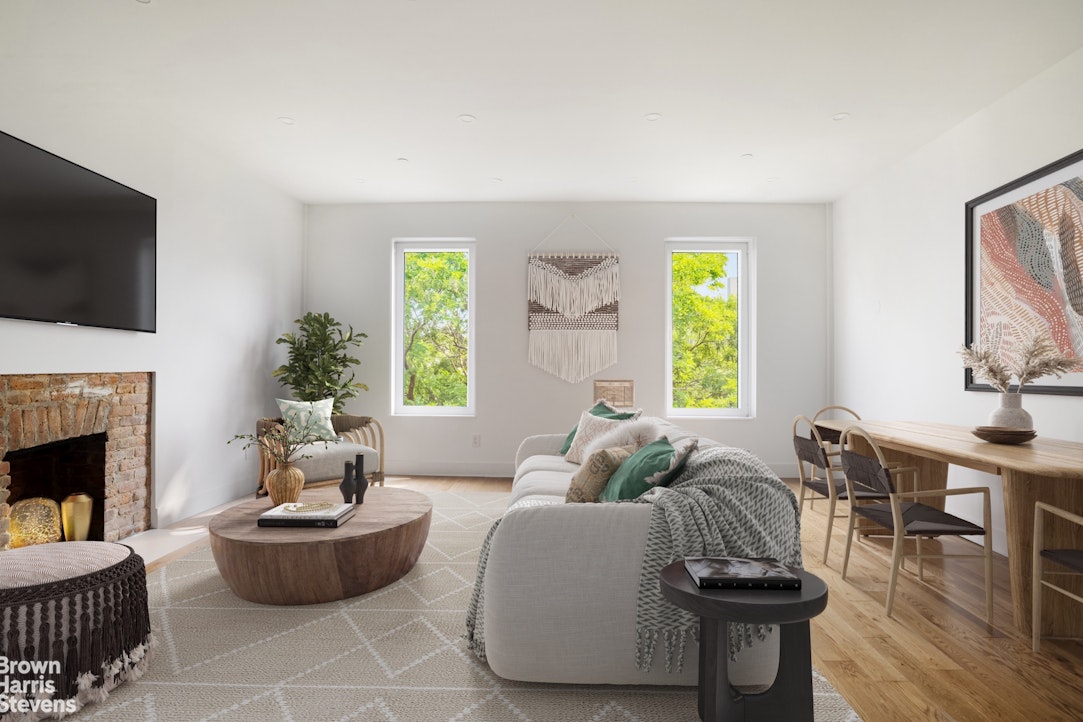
x=740, y=573
x=321, y=514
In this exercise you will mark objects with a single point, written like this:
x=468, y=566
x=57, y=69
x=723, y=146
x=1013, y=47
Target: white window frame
x=400, y=247
x=746, y=323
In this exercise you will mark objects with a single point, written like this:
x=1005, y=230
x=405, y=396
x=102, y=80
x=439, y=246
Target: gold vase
x=75, y=513
x=284, y=484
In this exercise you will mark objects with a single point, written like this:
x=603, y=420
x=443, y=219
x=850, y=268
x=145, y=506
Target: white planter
x=1011, y=414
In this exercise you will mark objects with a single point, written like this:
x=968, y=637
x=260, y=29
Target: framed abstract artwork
x=1024, y=268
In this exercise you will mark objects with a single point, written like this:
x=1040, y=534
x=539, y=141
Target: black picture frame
x=1066, y=172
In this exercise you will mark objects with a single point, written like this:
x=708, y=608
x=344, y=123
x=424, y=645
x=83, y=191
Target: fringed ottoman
x=74, y=624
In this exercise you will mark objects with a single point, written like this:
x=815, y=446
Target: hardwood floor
x=936, y=658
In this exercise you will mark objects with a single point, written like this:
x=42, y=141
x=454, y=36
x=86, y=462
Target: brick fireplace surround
x=43, y=408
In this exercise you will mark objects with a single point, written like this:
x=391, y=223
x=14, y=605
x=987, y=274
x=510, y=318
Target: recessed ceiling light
x=772, y=179
x=497, y=180
x=403, y=160
x=358, y=180
x=652, y=116
x=144, y=2
x=840, y=116
x=747, y=156
x=467, y=118
x=286, y=120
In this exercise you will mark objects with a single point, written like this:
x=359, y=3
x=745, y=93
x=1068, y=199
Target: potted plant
x=285, y=443
x=1040, y=357
x=319, y=362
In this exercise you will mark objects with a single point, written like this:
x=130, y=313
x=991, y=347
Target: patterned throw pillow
x=607, y=411
x=656, y=464
x=636, y=433
x=590, y=428
x=312, y=416
x=588, y=483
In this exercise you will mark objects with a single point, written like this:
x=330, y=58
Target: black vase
x=361, y=484
x=348, y=485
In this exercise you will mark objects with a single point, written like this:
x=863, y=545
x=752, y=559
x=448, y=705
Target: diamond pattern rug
x=395, y=655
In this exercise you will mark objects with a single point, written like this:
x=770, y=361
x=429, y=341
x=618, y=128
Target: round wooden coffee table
x=277, y=565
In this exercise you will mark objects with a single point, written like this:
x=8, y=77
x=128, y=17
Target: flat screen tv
x=76, y=248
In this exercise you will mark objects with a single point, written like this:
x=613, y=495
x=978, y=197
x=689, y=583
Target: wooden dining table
x=1044, y=469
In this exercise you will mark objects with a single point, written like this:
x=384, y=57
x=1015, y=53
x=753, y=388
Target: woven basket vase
x=284, y=484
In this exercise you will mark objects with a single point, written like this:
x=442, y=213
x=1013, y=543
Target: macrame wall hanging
x=572, y=311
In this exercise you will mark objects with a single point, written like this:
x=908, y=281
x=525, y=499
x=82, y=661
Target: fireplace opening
x=60, y=468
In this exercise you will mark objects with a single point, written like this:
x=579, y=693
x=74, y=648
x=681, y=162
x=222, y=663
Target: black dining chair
x=817, y=472
x=1066, y=559
x=904, y=514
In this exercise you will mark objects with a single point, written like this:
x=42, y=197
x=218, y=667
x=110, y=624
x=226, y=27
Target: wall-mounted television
x=76, y=248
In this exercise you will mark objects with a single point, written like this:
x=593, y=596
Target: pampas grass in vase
x=1039, y=358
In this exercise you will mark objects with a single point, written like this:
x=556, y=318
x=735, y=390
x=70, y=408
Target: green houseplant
x=319, y=362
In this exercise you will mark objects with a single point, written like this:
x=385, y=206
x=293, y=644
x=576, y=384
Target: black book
x=740, y=573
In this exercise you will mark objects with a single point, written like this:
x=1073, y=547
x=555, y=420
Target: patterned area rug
x=395, y=655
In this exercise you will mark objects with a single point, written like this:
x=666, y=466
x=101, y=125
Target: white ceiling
x=559, y=89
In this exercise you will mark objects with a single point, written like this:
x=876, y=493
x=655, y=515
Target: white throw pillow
x=590, y=427
x=312, y=416
x=637, y=433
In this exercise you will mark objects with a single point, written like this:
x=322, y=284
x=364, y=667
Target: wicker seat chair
x=1070, y=560
x=904, y=514
x=360, y=435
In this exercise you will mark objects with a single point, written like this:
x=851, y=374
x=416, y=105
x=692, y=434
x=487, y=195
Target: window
x=710, y=360
x=433, y=287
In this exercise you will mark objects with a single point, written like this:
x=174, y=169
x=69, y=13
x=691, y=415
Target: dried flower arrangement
x=1039, y=358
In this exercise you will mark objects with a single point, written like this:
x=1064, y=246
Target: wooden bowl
x=1003, y=434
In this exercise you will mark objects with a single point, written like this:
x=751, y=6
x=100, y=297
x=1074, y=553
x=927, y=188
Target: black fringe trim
x=105, y=612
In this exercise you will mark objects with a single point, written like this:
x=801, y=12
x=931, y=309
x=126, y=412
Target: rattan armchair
x=365, y=431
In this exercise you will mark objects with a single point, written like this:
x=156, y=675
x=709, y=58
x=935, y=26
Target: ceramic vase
x=1011, y=414
x=348, y=485
x=361, y=483
x=284, y=484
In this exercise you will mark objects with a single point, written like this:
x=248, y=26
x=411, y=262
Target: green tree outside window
x=435, y=328
x=704, y=324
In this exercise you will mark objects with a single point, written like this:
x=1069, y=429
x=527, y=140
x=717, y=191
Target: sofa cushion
x=543, y=482
x=327, y=460
x=313, y=416
x=603, y=409
x=589, y=481
x=656, y=464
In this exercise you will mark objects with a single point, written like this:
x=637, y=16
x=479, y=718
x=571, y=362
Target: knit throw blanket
x=727, y=502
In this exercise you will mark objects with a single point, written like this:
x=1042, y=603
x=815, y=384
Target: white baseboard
x=444, y=468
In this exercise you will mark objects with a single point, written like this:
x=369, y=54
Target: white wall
x=899, y=268
x=349, y=263
x=229, y=282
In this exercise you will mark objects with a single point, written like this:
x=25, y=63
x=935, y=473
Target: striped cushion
x=44, y=563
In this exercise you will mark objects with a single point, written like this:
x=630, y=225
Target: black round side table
x=790, y=697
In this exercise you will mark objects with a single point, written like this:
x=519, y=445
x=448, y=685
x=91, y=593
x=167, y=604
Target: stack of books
x=740, y=573
x=300, y=515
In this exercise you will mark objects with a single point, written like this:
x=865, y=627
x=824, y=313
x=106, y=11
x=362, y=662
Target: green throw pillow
x=605, y=411
x=656, y=464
